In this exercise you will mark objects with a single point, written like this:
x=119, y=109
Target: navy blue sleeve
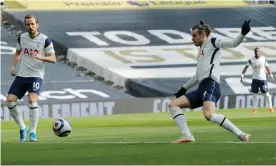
x=18, y=39
x=47, y=42
x=213, y=41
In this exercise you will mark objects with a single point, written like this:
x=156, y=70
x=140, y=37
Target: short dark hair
x=203, y=28
x=28, y=16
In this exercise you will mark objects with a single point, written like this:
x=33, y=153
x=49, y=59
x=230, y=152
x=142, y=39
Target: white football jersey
x=208, y=59
x=30, y=66
x=258, y=67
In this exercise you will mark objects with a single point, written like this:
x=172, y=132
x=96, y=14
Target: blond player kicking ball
x=208, y=79
x=33, y=50
x=260, y=67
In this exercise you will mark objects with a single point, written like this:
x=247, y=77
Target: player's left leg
x=17, y=91
x=209, y=109
x=264, y=90
x=191, y=100
x=34, y=90
x=269, y=101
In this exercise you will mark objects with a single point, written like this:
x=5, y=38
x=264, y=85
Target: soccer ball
x=62, y=127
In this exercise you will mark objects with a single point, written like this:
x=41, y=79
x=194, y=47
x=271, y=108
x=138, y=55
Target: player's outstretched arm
x=182, y=91
x=219, y=43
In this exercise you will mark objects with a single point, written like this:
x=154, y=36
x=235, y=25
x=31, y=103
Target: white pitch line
x=84, y=142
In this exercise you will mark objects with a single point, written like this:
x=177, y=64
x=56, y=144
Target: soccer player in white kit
x=207, y=77
x=33, y=50
x=259, y=66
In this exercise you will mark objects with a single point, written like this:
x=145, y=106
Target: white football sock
x=16, y=115
x=225, y=123
x=255, y=100
x=34, y=115
x=268, y=99
x=180, y=120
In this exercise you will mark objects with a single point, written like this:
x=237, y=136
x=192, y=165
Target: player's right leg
x=179, y=117
x=255, y=90
x=254, y=102
x=211, y=95
x=209, y=108
x=17, y=91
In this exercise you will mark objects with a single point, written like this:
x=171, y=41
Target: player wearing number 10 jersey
x=33, y=50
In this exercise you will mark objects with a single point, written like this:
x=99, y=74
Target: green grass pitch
x=145, y=139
